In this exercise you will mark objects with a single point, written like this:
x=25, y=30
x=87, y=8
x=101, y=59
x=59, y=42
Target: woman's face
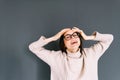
x=71, y=40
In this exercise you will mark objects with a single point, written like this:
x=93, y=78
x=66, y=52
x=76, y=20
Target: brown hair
x=62, y=45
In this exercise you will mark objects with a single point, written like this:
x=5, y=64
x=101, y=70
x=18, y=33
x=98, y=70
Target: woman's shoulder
x=58, y=53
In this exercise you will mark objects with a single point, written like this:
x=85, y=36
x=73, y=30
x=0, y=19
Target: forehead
x=69, y=32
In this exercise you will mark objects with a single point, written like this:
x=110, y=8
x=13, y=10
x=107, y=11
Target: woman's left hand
x=84, y=36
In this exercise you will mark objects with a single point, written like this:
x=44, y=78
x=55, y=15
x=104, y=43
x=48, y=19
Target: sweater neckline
x=74, y=55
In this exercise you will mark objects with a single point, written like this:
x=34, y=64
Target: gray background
x=24, y=21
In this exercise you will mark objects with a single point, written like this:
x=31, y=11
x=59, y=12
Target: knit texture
x=73, y=66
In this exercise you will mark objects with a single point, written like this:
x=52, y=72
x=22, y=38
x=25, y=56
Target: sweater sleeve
x=38, y=49
x=103, y=42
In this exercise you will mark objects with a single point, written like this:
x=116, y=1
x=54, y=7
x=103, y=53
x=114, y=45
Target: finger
x=75, y=29
x=65, y=30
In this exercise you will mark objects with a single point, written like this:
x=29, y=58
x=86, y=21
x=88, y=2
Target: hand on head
x=74, y=29
x=59, y=34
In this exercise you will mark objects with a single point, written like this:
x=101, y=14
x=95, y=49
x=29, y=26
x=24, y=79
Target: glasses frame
x=70, y=36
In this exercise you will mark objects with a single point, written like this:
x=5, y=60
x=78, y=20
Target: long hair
x=62, y=45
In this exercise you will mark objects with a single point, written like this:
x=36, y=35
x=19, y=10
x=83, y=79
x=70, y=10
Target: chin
x=74, y=48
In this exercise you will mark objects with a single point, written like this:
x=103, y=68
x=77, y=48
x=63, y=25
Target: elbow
x=111, y=37
x=30, y=47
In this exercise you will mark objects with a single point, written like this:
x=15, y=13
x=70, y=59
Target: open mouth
x=74, y=42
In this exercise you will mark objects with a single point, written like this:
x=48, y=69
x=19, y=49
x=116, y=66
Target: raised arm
x=38, y=49
x=104, y=41
x=37, y=45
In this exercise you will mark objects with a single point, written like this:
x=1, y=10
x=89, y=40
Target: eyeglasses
x=69, y=36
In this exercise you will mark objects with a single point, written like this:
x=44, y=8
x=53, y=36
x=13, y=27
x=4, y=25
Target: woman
x=72, y=62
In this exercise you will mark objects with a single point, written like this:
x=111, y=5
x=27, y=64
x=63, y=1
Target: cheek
x=79, y=42
x=67, y=43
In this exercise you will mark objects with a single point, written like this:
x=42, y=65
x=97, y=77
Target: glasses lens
x=75, y=35
x=67, y=37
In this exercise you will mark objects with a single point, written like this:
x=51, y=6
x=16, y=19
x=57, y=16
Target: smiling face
x=71, y=41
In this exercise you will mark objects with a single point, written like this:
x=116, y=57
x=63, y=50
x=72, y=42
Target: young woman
x=72, y=62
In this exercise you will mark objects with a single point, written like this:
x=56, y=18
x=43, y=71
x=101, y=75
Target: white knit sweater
x=73, y=66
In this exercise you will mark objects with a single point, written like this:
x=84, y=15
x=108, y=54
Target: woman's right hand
x=59, y=34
